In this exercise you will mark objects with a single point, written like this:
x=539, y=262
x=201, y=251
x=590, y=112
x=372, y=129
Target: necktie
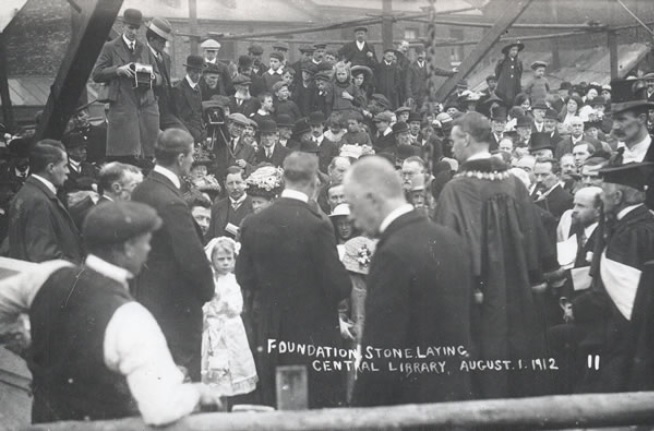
x=131, y=47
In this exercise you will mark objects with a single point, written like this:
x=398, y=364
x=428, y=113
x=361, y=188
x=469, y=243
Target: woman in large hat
x=362, y=78
x=264, y=186
x=509, y=73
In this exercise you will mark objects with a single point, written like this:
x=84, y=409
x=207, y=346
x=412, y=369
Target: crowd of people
x=329, y=214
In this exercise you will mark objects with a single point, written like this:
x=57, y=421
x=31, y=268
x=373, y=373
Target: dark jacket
x=556, y=202
x=188, y=102
x=279, y=154
x=289, y=264
x=222, y=212
x=40, y=227
x=419, y=294
x=176, y=279
x=350, y=52
x=167, y=110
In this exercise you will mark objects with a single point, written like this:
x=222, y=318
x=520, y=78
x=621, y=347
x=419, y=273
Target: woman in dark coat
x=509, y=73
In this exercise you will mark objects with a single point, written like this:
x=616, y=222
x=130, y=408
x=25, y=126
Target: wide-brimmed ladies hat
x=518, y=44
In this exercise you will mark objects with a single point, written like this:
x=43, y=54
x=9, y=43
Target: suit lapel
x=122, y=50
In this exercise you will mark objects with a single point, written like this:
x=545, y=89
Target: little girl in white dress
x=227, y=362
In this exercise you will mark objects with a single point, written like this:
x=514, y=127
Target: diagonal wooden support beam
x=76, y=67
x=512, y=11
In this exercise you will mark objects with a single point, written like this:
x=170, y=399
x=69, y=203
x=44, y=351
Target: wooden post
x=387, y=24
x=556, y=59
x=77, y=66
x=613, y=53
x=512, y=10
x=193, y=15
x=5, y=97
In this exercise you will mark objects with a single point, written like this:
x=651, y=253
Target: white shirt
x=637, y=152
x=294, y=194
x=269, y=151
x=479, y=156
x=360, y=45
x=47, y=183
x=626, y=210
x=539, y=126
x=135, y=347
x=77, y=166
x=588, y=231
x=273, y=72
x=191, y=83
x=575, y=141
x=237, y=203
x=394, y=215
x=154, y=51
x=318, y=140
x=130, y=44
x=168, y=174
x=387, y=132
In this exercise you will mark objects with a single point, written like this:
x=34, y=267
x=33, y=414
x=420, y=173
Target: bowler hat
x=540, y=141
x=255, y=49
x=194, y=62
x=316, y=118
x=551, y=114
x=524, y=121
x=629, y=94
x=210, y=44
x=597, y=101
x=211, y=68
x=133, y=17
x=161, y=27
x=301, y=126
x=267, y=126
x=112, y=223
x=519, y=45
x=565, y=85
x=400, y=127
x=414, y=117
x=284, y=120
x=593, y=124
x=73, y=140
x=244, y=62
x=540, y=104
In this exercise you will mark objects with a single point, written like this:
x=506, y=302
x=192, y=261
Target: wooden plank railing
x=552, y=412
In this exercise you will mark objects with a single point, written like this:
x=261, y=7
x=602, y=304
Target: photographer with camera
x=130, y=70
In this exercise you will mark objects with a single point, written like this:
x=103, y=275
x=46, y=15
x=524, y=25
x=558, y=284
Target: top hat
x=267, y=126
x=540, y=104
x=194, y=62
x=317, y=118
x=301, y=126
x=498, y=114
x=540, y=141
x=520, y=45
x=634, y=175
x=414, y=117
x=133, y=17
x=161, y=27
x=629, y=94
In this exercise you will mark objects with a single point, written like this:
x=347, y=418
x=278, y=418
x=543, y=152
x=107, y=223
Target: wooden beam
x=504, y=39
x=193, y=15
x=387, y=24
x=612, y=38
x=580, y=26
x=512, y=11
x=5, y=96
x=539, y=413
x=76, y=66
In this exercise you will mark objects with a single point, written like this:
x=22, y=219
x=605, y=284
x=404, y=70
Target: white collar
x=154, y=51
x=191, y=83
x=387, y=132
x=168, y=174
x=214, y=61
x=575, y=140
x=624, y=211
x=107, y=197
x=590, y=229
x=294, y=194
x=394, y=215
x=319, y=139
x=47, y=183
x=360, y=45
x=129, y=42
x=269, y=150
x=637, y=151
x=109, y=270
x=387, y=63
x=239, y=201
x=479, y=156
x=75, y=163
x=545, y=194
x=272, y=72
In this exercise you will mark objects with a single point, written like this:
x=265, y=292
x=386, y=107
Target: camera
x=214, y=113
x=143, y=74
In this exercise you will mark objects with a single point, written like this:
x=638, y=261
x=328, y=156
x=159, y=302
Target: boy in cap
x=274, y=74
x=358, y=52
x=133, y=117
x=188, y=98
x=255, y=51
x=283, y=105
x=539, y=87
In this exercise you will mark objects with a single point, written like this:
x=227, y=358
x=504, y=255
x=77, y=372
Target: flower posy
x=364, y=255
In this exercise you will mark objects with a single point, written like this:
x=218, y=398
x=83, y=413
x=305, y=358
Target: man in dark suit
x=177, y=279
x=227, y=214
x=419, y=292
x=358, y=52
x=270, y=150
x=388, y=78
x=417, y=78
x=289, y=265
x=230, y=150
x=81, y=174
x=188, y=98
x=40, y=227
x=158, y=33
x=548, y=192
x=327, y=149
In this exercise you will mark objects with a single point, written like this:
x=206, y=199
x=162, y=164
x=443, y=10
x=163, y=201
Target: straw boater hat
x=161, y=27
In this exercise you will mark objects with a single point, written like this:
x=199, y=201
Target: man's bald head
x=587, y=203
x=373, y=189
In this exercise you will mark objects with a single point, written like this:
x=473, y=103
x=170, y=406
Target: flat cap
x=278, y=86
x=320, y=46
x=255, y=49
x=210, y=44
x=281, y=46
x=317, y=118
x=322, y=76
x=383, y=116
x=307, y=48
x=239, y=118
x=400, y=127
x=242, y=80
x=277, y=55
x=116, y=222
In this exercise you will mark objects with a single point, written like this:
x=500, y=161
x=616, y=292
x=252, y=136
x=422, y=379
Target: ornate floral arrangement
x=364, y=255
x=267, y=178
x=492, y=176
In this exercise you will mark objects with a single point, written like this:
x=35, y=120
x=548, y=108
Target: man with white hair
x=418, y=285
x=576, y=136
